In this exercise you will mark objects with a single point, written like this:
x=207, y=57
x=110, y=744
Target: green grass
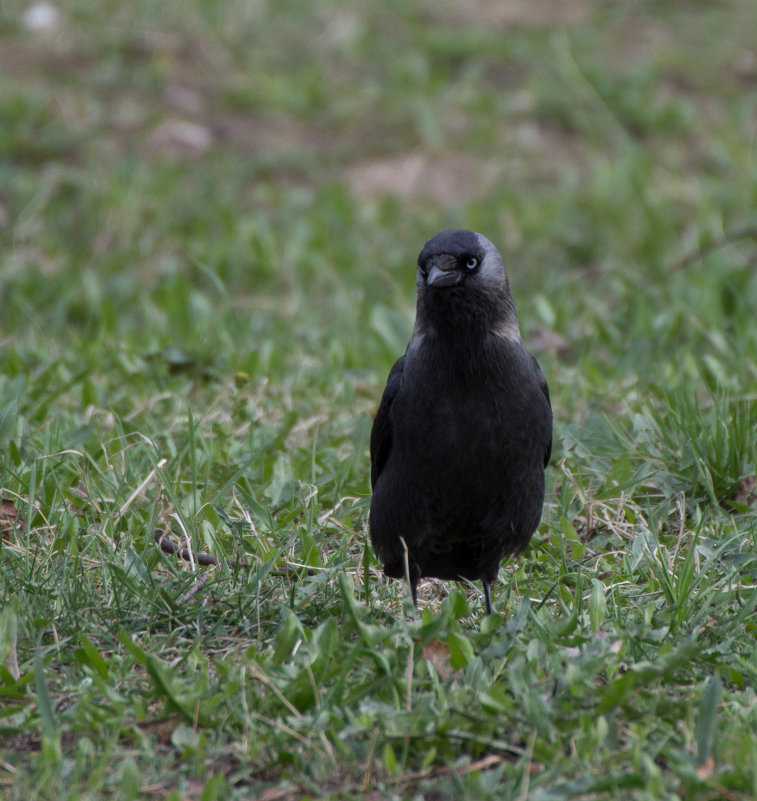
x=194, y=335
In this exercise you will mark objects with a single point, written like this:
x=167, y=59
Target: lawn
x=209, y=220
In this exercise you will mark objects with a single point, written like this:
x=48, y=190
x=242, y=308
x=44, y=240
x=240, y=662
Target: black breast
x=464, y=482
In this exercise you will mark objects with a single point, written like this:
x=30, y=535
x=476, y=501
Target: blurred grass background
x=209, y=219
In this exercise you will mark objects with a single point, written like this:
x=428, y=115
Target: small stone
x=43, y=17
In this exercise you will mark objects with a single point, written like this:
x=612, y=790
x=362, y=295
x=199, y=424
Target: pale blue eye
x=472, y=263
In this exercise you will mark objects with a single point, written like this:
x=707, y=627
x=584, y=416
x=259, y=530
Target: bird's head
x=462, y=281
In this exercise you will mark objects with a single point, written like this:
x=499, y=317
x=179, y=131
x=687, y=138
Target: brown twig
x=747, y=232
x=203, y=558
x=196, y=587
x=169, y=547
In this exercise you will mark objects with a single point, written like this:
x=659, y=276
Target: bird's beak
x=443, y=273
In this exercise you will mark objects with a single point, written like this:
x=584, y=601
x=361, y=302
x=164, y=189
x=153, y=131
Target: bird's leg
x=487, y=595
x=410, y=575
x=414, y=590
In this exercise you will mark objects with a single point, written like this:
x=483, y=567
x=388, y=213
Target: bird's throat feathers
x=466, y=317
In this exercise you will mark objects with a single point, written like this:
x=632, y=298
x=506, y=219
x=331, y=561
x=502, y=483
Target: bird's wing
x=545, y=389
x=381, y=433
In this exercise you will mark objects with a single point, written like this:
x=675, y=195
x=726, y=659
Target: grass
x=203, y=284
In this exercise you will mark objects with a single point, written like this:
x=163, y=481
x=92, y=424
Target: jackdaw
x=463, y=433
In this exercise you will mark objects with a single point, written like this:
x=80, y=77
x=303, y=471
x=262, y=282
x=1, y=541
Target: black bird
x=463, y=433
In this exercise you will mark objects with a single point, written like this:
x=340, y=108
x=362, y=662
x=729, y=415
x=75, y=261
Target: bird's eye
x=472, y=263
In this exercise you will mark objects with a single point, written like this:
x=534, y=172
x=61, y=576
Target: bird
x=462, y=435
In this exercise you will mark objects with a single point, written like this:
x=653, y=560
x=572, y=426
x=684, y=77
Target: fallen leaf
x=180, y=138
x=10, y=521
x=745, y=495
x=437, y=653
x=706, y=769
x=545, y=339
x=162, y=728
